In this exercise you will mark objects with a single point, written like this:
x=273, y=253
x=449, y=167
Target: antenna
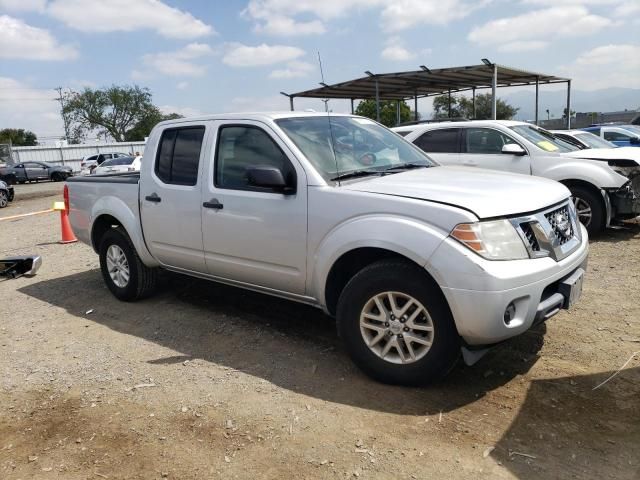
x=326, y=109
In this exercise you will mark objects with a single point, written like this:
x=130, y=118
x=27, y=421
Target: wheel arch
x=606, y=207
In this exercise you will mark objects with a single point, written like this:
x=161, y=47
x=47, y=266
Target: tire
x=590, y=203
x=141, y=280
x=4, y=199
x=56, y=177
x=11, y=180
x=403, y=281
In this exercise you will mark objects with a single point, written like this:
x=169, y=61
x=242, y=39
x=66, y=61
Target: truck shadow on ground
x=291, y=345
x=617, y=234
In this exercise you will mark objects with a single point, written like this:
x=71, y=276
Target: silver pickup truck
x=416, y=261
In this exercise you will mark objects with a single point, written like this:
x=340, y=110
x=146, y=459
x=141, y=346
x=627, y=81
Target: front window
x=593, y=141
x=337, y=145
x=542, y=139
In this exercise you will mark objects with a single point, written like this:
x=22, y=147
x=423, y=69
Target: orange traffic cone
x=67, y=233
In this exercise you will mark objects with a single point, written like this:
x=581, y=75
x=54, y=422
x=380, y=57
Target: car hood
x=486, y=193
x=622, y=153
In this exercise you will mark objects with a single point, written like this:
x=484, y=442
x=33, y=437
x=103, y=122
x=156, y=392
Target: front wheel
x=4, y=199
x=396, y=325
x=122, y=270
x=589, y=209
x=57, y=177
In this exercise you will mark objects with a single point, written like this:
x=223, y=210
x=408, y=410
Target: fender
x=118, y=209
x=402, y=235
x=596, y=173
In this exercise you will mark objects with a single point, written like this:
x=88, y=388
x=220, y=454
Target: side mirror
x=513, y=149
x=268, y=177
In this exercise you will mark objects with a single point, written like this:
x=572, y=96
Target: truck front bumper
x=492, y=301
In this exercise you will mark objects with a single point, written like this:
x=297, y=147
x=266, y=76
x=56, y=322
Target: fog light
x=509, y=313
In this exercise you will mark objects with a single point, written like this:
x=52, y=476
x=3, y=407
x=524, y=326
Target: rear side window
x=179, y=155
x=444, y=140
x=616, y=136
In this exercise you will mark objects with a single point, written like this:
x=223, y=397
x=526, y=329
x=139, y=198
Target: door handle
x=213, y=203
x=153, y=198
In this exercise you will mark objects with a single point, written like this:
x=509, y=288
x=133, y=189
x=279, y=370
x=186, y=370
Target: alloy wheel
x=118, y=266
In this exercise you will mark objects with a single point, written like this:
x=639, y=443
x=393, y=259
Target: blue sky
x=214, y=56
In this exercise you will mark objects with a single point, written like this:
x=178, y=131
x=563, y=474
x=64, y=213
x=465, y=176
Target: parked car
x=620, y=135
x=118, y=165
x=582, y=139
x=34, y=172
x=89, y=162
x=603, y=191
x=6, y=194
x=416, y=261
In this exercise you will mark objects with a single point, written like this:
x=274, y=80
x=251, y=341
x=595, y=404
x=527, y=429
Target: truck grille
x=561, y=224
x=527, y=229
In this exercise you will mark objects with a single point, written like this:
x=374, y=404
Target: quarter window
x=443, y=140
x=242, y=147
x=179, y=155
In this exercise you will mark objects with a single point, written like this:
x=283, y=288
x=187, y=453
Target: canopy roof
x=426, y=82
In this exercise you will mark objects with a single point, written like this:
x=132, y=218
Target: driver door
x=482, y=147
x=251, y=234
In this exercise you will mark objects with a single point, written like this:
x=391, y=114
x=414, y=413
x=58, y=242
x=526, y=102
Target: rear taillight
x=65, y=194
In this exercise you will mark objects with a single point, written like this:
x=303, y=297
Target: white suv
x=90, y=162
x=603, y=189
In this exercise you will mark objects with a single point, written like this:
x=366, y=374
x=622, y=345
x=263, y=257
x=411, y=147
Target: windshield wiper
x=356, y=173
x=406, y=166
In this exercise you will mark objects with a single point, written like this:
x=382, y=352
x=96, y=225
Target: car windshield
x=633, y=129
x=117, y=161
x=339, y=145
x=542, y=139
x=594, y=141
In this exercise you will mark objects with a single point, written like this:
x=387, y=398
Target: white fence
x=71, y=155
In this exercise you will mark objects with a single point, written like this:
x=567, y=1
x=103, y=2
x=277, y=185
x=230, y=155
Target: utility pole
x=64, y=117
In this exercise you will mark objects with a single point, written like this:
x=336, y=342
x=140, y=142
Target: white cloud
x=184, y=111
x=605, y=66
x=294, y=69
x=563, y=21
x=396, y=51
x=23, y=5
x=22, y=106
x=22, y=41
x=523, y=46
x=178, y=63
x=239, y=55
x=281, y=17
x=125, y=15
x=182, y=85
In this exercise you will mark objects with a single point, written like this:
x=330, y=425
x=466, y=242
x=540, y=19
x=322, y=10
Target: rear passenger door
x=442, y=144
x=170, y=197
x=482, y=147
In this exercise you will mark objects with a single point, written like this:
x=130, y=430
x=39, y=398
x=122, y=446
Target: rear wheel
x=396, y=324
x=589, y=208
x=122, y=270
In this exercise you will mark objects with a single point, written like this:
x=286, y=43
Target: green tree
x=388, y=114
x=144, y=126
x=18, y=137
x=114, y=110
x=462, y=106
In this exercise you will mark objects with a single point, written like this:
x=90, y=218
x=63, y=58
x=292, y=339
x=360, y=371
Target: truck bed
x=128, y=177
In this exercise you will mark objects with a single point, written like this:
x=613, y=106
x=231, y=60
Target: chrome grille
x=530, y=237
x=561, y=224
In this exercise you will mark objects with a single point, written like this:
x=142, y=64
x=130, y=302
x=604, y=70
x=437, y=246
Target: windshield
x=543, y=139
x=117, y=161
x=635, y=129
x=594, y=141
x=336, y=145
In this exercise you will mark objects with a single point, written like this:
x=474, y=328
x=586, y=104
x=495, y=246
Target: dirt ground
x=207, y=381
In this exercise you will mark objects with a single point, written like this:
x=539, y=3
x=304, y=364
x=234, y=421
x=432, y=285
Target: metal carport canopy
x=429, y=82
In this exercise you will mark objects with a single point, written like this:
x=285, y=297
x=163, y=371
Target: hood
x=604, y=154
x=486, y=193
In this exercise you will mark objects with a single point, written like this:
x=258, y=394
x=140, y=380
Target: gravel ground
x=207, y=381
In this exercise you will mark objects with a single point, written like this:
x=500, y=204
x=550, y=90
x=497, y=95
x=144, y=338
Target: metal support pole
x=568, y=104
x=537, y=87
x=415, y=106
x=473, y=101
x=494, y=84
x=352, y=111
x=449, y=105
x=377, y=102
x=397, y=112
x=291, y=102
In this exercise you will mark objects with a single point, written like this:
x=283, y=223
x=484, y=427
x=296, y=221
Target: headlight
x=494, y=240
